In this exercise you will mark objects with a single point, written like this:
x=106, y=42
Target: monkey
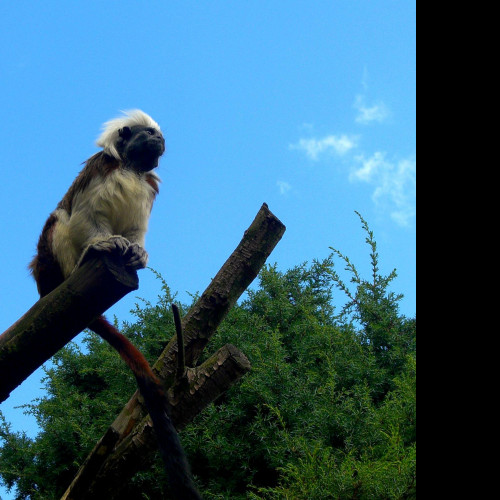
x=107, y=208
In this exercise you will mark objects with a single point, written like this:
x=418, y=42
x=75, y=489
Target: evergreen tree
x=328, y=411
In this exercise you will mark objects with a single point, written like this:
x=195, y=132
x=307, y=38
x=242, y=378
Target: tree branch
x=101, y=478
x=58, y=317
x=116, y=453
x=181, y=362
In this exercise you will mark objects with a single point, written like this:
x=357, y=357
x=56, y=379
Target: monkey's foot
x=135, y=256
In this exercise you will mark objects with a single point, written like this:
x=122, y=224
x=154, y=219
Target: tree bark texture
x=107, y=468
x=124, y=448
x=58, y=317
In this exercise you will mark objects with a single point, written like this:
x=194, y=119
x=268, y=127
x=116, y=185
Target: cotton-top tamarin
x=107, y=208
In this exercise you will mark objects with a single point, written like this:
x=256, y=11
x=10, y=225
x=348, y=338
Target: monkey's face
x=140, y=147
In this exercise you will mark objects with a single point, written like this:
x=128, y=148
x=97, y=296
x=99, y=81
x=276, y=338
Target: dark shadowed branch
x=181, y=362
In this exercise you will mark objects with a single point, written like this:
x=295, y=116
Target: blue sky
x=306, y=105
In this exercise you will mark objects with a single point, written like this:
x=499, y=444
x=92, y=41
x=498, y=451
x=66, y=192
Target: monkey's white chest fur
x=116, y=205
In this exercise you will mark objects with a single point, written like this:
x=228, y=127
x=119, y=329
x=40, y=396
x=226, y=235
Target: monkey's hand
x=135, y=256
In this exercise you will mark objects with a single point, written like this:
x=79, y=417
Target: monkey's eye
x=150, y=131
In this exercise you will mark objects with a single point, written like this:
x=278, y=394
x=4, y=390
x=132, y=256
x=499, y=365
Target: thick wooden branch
x=100, y=478
x=57, y=318
x=226, y=288
x=206, y=383
x=128, y=431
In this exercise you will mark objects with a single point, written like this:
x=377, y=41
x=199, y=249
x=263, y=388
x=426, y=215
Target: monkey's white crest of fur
x=110, y=134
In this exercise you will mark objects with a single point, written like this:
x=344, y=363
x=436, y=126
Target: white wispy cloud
x=376, y=112
x=284, y=187
x=394, y=184
x=332, y=144
x=392, y=181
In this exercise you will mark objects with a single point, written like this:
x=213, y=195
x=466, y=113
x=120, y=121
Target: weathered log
x=103, y=479
x=115, y=455
x=58, y=317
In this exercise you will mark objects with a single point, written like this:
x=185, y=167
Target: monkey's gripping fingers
x=112, y=244
x=136, y=256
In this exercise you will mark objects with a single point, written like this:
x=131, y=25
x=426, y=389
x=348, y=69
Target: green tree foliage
x=328, y=411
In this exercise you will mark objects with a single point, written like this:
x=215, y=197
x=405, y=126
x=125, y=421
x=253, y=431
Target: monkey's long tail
x=173, y=455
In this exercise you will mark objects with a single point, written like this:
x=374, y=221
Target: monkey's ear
x=125, y=133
